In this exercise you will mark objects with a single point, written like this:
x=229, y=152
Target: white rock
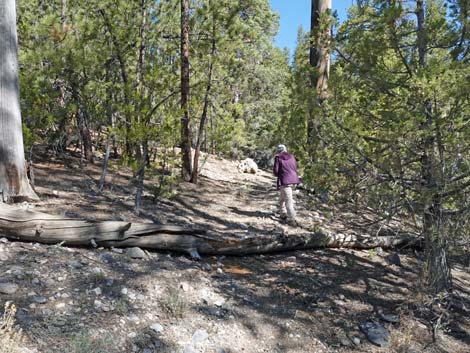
x=157, y=328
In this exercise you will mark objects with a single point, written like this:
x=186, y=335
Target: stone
x=107, y=258
x=136, y=253
x=75, y=264
x=8, y=288
x=124, y=291
x=97, y=291
x=244, y=226
x=356, y=341
x=345, y=342
x=393, y=319
x=199, y=336
x=157, y=328
x=39, y=299
x=375, y=333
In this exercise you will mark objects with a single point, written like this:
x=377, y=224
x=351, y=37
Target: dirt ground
x=106, y=300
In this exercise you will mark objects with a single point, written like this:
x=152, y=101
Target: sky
x=294, y=13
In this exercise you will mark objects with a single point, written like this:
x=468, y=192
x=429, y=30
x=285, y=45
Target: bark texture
x=20, y=224
x=185, y=129
x=13, y=179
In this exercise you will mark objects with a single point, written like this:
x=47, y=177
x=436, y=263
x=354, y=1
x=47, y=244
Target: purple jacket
x=285, y=168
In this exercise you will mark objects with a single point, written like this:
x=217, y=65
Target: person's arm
x=276, y=166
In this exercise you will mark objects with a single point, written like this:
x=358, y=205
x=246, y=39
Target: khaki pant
x=286, y=206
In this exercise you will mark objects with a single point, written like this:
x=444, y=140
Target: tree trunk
x=144, y=160
x=185, y=130
x=14, y=183
x=437, y=271
x=319, y=60
x=20, y=224
x=205, y=108
x=85, y=136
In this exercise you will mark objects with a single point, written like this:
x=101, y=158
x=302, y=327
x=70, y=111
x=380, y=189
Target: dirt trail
x=299, y=302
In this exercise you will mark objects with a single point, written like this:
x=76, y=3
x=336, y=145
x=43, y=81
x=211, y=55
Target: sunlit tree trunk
x=319, y=59
x=185, y=131
x=14, y=184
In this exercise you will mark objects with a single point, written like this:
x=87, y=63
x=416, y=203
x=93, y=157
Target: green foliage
x=84, y=343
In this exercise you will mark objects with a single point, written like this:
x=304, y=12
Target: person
x=285, y=169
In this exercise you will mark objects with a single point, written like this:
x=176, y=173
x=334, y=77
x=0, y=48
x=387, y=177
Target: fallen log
x=25, y=225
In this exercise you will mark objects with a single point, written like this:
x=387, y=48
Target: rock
x=36, y=281
x=97, y=304
x=97, y=291
x=199, y=336
x=39, y=299
x=136, y=253
x=124, y=291
x=393, y=259
x=8, y=288
x=393, y=319
x=117, y=250
x=345, y=342
x=75, y=264
x=157, y=328
x=375, y=333
x=221, y=350
x=107, y=258
x=248, y=166
x=356, y=340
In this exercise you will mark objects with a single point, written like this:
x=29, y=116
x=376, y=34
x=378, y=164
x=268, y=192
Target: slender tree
x=185, y=119
x=14, y=183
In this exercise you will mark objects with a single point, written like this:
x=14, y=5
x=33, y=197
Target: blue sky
x=294, y=13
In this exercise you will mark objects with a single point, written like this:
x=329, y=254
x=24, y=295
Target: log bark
x=25, y=225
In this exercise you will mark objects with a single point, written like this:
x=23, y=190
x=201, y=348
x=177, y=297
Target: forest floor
x=109, y=300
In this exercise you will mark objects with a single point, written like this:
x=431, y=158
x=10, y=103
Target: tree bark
x=14, y=183
x=202, y=124
x=185, y=120
x=319, y=60
x=20, y=224
x=437, y=271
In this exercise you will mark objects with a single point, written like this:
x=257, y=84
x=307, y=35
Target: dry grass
x=11, y=339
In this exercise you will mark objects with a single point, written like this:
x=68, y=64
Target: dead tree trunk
x=14, y=184
x=19, y=224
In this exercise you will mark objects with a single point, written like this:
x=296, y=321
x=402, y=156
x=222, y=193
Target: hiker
x=285, y=168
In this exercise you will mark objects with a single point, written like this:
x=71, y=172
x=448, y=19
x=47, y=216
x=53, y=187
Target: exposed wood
x=14, y=184
x=25, y=225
